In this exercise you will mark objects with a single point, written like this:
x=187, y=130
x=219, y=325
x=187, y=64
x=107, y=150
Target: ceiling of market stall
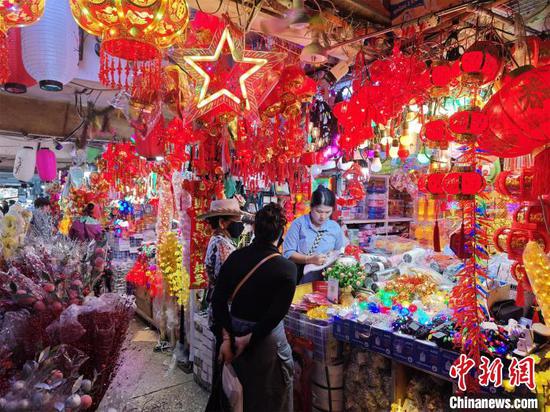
x=348, y=25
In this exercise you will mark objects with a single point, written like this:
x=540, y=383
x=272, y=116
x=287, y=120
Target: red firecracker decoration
x=518, y=115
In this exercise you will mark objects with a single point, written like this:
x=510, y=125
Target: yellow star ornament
x=229, y=79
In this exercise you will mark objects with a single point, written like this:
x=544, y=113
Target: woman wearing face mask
x=225, y=218
x=253, y=295
x=313, y=236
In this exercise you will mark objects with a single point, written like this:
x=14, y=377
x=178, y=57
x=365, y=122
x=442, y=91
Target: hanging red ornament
x=463, y=183
x=518, y=115
x=228, y=76
x=15, y=13
x=515, y=184
x=530, y=215
x=480, y=64
x=18, y=80
x=468, y=124
x=355, y=189
x=437, y=133
x=431, y=183
x=513, y=241
x=440, y=74
x=133, y=34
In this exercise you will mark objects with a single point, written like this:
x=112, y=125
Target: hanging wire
x=208, y=12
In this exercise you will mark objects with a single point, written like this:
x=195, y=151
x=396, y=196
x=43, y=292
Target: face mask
x=235, y=229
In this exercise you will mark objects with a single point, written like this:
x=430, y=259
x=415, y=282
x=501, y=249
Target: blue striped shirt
x=301, y=236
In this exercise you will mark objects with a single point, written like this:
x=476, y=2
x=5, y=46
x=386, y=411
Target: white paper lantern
x=50, y=47
x=24, y=164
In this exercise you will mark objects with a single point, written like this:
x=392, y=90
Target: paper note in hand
x=331, y=258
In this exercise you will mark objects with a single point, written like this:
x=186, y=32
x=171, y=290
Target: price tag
x=332, y=290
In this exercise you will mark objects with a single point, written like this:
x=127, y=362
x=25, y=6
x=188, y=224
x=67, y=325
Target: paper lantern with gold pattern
x=15, y=13
x=133, y=34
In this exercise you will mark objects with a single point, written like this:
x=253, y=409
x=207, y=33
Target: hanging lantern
x=480, y=64
x=463, y=184
x=530, y=215
x=133, y=33
x=518, y=115
x=440, y=75
x=19, y=79
x=24, y=163
x=151, y=145
x=516, y=184
x=467, y=125
x=15, y=13
x=46, y=165
x=50, y=47
x=431, y=183
x=437, y=133
x=513, y=241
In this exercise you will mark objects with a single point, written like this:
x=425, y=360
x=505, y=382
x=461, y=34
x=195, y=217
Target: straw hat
x=224, y=207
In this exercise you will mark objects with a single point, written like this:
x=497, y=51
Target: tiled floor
x=145, y=382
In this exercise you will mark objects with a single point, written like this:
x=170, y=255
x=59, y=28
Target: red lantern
x=434, y=183
x=539, y=51
x=440, y=74
x=513, y=241
x=481, y=63
x=463, y=183
x=15, y=13
x=19, y=79
x=437, y=132
x=46, y=165
x=133, y=34
x=152, y=145
x=518, y=115
x=468, y=124
x=517, y=184
x=530, y=215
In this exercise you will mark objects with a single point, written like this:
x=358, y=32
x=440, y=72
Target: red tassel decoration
x=437, y=241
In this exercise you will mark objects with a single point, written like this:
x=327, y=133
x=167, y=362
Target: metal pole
x=471, y=6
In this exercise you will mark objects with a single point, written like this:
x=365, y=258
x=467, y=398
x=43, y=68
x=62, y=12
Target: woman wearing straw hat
x=225, y=218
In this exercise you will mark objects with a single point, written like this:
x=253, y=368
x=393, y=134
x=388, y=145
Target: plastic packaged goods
x=392, y=244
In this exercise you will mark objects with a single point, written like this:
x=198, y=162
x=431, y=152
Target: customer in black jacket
x=260, y=284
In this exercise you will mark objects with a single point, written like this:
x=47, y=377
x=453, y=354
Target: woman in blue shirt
x=312, y=237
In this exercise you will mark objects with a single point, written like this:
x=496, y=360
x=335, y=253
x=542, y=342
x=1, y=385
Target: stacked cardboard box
x=203, y=349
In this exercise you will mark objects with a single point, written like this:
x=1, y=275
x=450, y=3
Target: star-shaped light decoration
x=229, y=80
